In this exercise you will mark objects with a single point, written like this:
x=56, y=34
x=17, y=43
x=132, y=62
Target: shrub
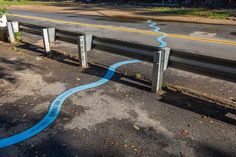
x=3, y=11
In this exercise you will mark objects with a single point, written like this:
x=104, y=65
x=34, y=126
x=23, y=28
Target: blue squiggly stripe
x=56, y=106
x=157, y=29
x=57, y=103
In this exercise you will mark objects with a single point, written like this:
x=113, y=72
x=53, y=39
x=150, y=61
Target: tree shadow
x=17, y=65
x=200, y=106
x=184, y=12
x=96, y=6
x=212, y=151
x=97, y=144
x=54, y=147
x=55, y=55
x=104, y=17
x=119, y=77
x=94, y=69
x=171, y=97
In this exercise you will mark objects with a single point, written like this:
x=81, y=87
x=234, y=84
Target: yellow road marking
x=132, y=30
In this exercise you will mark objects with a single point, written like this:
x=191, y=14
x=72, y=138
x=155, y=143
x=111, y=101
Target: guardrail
x=161, y=58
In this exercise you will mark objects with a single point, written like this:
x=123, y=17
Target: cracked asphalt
x=119, y=119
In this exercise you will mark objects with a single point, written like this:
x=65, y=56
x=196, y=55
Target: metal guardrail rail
x=211, y=66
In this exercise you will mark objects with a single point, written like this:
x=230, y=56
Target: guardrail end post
x=46, y=40
x=85, y=45
x=167, y=55
x=158, y=68
x=11, y=32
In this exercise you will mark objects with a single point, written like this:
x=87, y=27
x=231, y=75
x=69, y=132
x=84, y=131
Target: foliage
x=3, y=10
x=210, y=13
x=25, y=2
x=138, y=76
x=18, y=36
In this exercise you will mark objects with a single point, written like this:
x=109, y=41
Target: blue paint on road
x=56, y=106
x=157, y=29
x=57, y=103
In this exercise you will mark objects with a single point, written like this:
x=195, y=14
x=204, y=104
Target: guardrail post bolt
x=46, y=40
x=158, y=68
x=11, y=32
x=85, y=45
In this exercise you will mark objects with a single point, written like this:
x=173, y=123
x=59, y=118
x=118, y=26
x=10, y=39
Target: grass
x=4, y=3
x=199, y=12
x=210, y=13
x=138, y=76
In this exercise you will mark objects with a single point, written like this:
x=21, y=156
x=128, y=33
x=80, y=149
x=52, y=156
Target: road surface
x=212, y=40
x=116, y=119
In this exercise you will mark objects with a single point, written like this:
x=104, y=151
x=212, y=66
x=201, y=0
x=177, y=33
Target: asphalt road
x=117, y=119
x=121, y=118
x=213, y=40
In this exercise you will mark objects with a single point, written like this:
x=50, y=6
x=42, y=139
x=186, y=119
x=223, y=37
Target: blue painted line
x=157, y=29
x=56, y=106
x=57, y=103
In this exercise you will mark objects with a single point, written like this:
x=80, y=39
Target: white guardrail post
x=84, y=45
x=48, y=36
x=160, y=63
x=46, y=41
x=10, y=32
x=167, y=56
x=52, y=34
x=13, y=27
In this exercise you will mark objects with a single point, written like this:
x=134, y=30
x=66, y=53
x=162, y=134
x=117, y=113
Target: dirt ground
x=119, y=13
x=120, y=118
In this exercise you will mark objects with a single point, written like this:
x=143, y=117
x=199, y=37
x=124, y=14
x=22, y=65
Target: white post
x=82, y=52
x=15, y=26
x=85, y=45
x=3, y=28
x=46, y=41
x=11, y=32
x=52, y=33
x=3, y=21
x=167, y=56
x=158, y=68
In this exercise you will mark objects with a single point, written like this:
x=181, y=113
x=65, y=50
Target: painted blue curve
x=157, y=29
x=56, y=106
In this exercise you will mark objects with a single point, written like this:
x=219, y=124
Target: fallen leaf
x=204, y=116
x=136, y=127
x=184, y=132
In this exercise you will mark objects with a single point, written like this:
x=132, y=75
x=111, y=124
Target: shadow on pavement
x=15, y=64
x=171, y=97
x=100, y=71
x=104, y=17
x=197, y=105
x=60, y=57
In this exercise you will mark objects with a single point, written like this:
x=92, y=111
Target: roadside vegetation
x=23, y=2
x=200, y=12
x=3, y=11
x=160, y=11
